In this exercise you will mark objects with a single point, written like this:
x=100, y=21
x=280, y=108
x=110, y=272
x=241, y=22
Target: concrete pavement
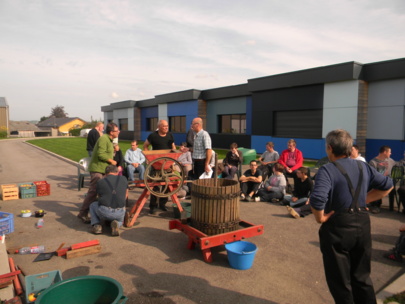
x=153, y=264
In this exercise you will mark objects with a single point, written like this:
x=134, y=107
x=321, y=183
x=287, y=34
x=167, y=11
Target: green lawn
x=74, y=148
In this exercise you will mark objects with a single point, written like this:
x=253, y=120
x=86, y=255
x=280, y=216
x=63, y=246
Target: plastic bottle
x=40, y=223
x=27, y=250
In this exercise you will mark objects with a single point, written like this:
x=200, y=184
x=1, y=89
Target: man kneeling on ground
x=112, y=192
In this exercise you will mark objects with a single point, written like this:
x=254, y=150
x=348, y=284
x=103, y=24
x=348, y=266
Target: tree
x=43, y=118
x=59, y=112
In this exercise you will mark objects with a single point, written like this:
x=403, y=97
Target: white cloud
x=75, y=53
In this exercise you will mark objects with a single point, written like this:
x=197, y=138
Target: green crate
x=27, y=190
x=39, y=282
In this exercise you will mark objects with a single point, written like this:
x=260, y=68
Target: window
x=123, y=124
x=151, y=124
x=235, y=123
x=301, y=124
x=177, y=124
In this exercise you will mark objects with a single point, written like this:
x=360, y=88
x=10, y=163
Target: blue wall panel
x=311, y=148
x=179, y=138
x=184, y=108
x=146, y=113
x=144, y=135
x=373, y=146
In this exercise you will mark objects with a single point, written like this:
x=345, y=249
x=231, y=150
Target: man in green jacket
x=102, y=157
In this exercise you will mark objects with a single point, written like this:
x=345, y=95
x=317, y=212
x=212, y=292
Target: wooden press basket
x=215, y=205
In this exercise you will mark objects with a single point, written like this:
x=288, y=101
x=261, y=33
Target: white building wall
x=162, y=110
x=340, y=104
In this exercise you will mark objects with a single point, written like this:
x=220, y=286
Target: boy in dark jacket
x=302, y=189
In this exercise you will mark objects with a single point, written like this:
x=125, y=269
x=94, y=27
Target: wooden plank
x=62, y=251
x=83, y=251
x=85, y=244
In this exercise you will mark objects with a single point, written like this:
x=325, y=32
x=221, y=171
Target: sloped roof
x=3, y=102
x=22, y=126
x=57, y=122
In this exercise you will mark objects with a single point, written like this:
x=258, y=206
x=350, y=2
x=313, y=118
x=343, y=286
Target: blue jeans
x=131, y=170
x=299, y=202
x=99, y=213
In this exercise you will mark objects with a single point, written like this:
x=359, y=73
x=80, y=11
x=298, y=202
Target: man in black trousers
x=338, y=201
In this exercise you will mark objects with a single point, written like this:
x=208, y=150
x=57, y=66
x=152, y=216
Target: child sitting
x=303, y=186
x=274, y=187
x=185, y=159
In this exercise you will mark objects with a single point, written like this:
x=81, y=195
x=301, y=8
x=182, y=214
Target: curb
x=395, y=287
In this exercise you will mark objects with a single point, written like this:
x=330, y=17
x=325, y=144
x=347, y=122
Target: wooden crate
x=43, y=188
x=9, y=192
x=27, y=190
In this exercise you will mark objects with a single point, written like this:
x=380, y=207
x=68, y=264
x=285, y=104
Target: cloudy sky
x=84, y=54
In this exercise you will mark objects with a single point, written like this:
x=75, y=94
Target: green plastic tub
x=84, y=290
x=248, y=155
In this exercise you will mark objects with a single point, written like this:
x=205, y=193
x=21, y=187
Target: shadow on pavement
x=193, y=288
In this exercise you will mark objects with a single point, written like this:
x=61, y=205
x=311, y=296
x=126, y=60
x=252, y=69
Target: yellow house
x=61, y=126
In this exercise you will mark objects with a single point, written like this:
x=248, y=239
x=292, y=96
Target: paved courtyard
x=152, y=262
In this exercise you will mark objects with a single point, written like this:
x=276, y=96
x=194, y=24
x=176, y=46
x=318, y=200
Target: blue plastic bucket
x=241, y=254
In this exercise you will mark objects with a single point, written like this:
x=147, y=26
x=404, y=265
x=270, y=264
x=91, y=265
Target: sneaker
x=85, y=219
x=393, y=256
x=375, y=210
x=242, y=197
x=152, y=210
x=115, y=228
x=274, y=200
x=257, y=199
x=97, y=229
x=292, y=212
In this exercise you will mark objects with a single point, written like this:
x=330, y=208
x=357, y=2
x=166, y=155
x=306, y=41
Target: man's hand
x=325, y=217
x=320, y=216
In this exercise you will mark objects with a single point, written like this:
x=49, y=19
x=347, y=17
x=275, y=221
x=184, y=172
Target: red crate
x=43, y=188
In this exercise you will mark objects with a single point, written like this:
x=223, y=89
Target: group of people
x=339, y=198
x=269, y=181
x=106, y=197
x=384, y=164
